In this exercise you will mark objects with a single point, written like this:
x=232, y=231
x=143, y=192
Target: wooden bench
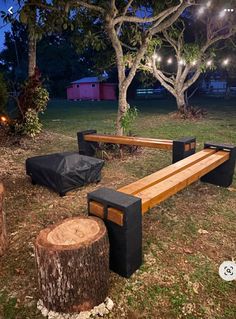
x=122, y=209
x=155, y=188
x=89, y=140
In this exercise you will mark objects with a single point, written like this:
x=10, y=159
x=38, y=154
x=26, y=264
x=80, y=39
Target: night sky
x=4, y=6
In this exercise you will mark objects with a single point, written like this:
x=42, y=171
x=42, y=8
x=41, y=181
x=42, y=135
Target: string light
x=170, y=60
x=208, y=4
x=226, y=62
x=3, y=119
x=182, y=62
x=209, y=63
x=222, y=14
x=201, y=11
x=154, y=56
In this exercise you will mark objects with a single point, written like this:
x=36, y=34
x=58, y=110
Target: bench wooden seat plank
x=164, y=173
x=130, y=140
x=170, y=186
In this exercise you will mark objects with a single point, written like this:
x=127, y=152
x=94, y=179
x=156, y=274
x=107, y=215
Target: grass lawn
x=185, y=238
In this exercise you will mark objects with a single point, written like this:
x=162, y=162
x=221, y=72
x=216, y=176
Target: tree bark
x=3, y=233
x=181, y=102
x=122, y=108
x=32, y=43
x=31, y=54
x=72, y=260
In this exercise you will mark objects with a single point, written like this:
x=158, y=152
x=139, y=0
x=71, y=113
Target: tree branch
x=177, y=11
x=124, y=13
x=192, y=79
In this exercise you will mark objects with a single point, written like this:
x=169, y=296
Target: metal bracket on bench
x=125, y=239
x=222, y=175
x=85, y=147
x=183, y=148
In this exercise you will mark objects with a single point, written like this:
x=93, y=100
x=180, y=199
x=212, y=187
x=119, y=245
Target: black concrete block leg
x=183, y=148
x=86, y=147
x=125, y=241
x=223, y=174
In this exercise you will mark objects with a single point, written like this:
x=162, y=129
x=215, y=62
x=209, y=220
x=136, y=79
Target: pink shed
x=91, y=88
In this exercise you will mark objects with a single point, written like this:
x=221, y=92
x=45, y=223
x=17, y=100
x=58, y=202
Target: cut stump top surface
x=71, y=233
x=74, y=231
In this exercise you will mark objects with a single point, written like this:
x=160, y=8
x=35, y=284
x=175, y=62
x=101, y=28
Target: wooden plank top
x=164, y=173
x=167, y=182
x=130, y=140
x=168, y=187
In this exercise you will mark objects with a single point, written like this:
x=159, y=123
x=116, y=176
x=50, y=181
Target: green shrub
x=128, y=118
x=32, y=100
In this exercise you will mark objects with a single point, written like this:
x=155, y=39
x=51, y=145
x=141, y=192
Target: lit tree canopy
x=189, y=47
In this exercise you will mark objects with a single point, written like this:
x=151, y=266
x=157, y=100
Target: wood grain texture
x=114, y=215
x=164, y=173
x=157, y=187
x=170, y=186
x=130, y=140
x=3, y=232
x=73, y=271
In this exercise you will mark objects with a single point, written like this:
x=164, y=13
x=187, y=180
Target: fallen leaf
x=196, y=287
x=202, y=231
x=188, y=251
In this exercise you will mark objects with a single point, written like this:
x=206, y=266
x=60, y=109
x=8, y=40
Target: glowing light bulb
x=169, y=61
x=155, y=56
x=222, y=13
x=194, y=62
x=182, y=62
x=201, y=11
x=3, y=119
x=209, y=63
x=159, y=58
x=226, y=62
x=208, y=4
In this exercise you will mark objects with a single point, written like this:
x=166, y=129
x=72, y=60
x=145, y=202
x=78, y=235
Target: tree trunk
x=31, y=54
x=3, y=233
x=72, y=259
x=32, y=43
x=181, y=102
x=122, y=108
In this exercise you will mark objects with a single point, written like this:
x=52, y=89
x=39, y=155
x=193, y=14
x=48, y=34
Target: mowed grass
x=68, y=117
x=185, y=238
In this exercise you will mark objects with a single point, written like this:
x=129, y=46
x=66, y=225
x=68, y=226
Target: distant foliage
x=3, y=93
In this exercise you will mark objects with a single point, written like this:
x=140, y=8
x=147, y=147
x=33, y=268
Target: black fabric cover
x=63, y=172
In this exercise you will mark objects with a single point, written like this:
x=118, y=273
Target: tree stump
x=3, y=233
x=72, y=260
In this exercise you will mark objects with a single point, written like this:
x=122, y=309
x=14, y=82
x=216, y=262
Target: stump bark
x=3, y=233
x=72, y=260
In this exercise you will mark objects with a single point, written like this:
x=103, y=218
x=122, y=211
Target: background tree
x=192, y=54
x=142, y=24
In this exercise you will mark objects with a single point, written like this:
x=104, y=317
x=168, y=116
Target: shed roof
x=91, y=79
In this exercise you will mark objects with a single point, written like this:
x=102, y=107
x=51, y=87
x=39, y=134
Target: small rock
x=102, y=310
x=44, y=312
x=109, y=303
x=94, y=311
x=84, y=315
x=40, y=305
